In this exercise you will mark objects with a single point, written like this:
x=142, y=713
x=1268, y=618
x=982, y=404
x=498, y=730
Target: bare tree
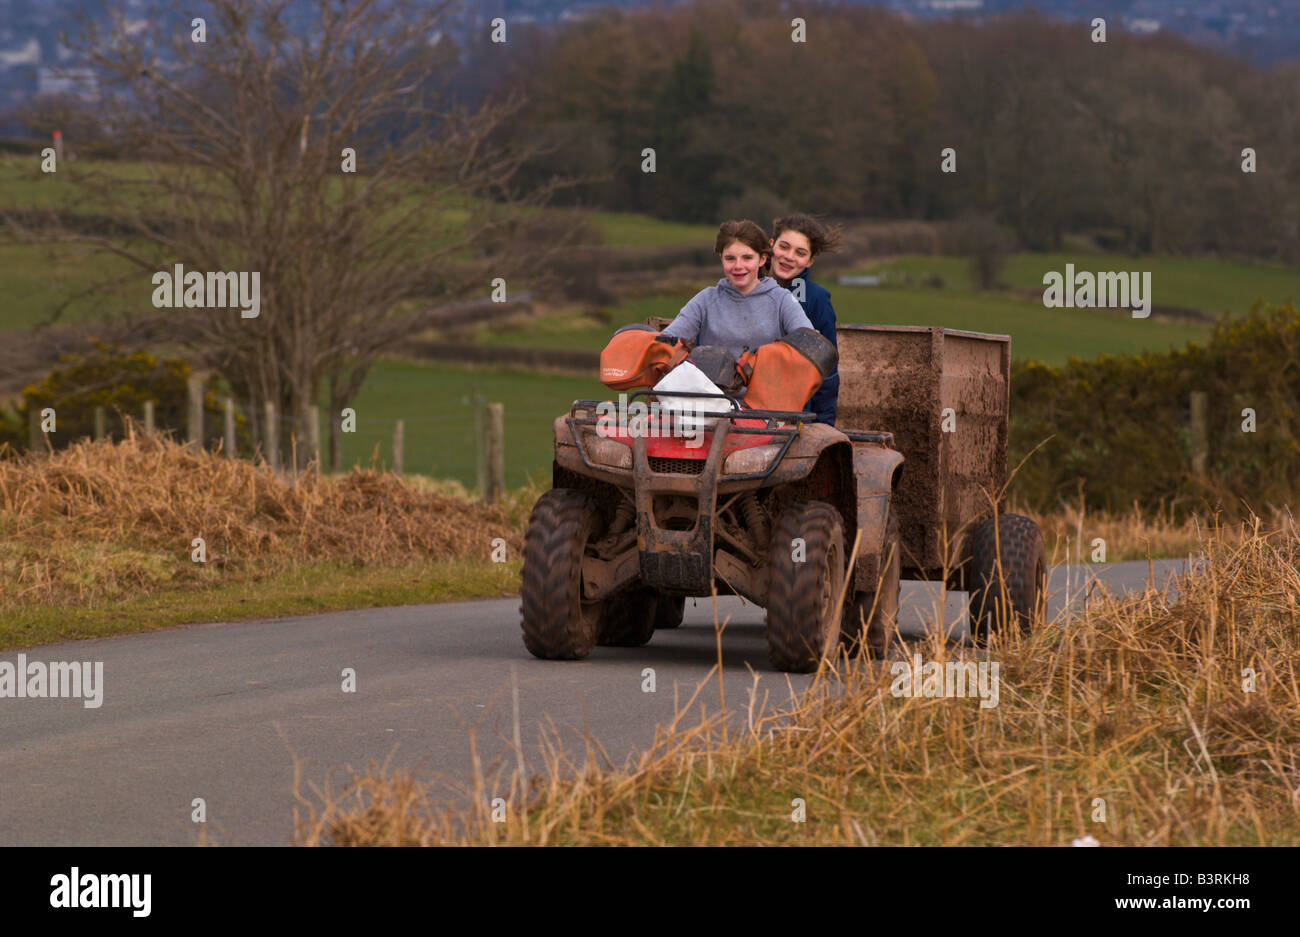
x=327, y=156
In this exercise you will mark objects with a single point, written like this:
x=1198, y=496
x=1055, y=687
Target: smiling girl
x=745, y=309
x=796, y=242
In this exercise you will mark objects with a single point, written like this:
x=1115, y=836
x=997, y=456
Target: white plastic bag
x=691, y=412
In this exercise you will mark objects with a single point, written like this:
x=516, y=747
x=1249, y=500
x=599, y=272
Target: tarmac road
x=214, y=711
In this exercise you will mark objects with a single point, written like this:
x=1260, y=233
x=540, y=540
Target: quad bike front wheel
x=628, y=619
x=670, y=610
x=1008, y=576
x=803, y=594
x=558, y=624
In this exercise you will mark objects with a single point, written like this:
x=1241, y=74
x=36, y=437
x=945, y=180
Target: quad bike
x=816, y=524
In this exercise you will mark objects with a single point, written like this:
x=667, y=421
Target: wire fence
x=469, y=446
x=450, y=433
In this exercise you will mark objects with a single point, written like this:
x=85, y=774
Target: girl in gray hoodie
x=745, y=309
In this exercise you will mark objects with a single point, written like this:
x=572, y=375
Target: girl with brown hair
x=745, y=309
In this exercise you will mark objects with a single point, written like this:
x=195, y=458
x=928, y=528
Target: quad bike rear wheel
x=558, y=624
x=1008, y=576
x=872, y=616
x=803, y=620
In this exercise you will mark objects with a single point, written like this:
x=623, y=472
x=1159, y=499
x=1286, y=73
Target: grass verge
x=99, y=540
x=302, y=590
x=1073, y=534
x=121, y=537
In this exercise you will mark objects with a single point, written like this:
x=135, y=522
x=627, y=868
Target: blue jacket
x=817, y=306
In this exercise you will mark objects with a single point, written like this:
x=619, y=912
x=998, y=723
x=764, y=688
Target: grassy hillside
x=625, y=230
x=433, y=399
x=35, y=280
x=1041, y=334
x=1214, y=286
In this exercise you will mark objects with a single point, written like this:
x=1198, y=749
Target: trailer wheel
x=803, y=621
x=670, y=611
x=873, y=614
x=1013, y=590
x=629, y=618
x=557, y=623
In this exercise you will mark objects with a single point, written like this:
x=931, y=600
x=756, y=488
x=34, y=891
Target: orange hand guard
x=639, y=356
x=784, y=374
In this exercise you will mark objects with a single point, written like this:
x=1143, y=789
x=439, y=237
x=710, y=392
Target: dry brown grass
x=1070, y=532
x=102, y=520
x=1139, y=702
x=106, y=521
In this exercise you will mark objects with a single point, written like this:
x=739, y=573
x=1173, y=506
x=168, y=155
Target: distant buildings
x=63, y=80
x=32, y=62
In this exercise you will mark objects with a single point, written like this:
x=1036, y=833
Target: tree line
x=1141, y=140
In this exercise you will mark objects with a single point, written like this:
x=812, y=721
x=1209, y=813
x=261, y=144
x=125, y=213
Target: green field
x=145, y=185
x=24, y=186
x=622, y=230
x=35, y=279
x=433, y=402
x=1049, y=335
x=439, y=434
x=1037, y=333
x=433, y=399
x=1214, y=286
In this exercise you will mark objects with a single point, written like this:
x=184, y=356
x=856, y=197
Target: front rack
x=770, y=418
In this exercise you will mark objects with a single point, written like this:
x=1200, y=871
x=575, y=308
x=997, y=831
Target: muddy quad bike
x=770, y=504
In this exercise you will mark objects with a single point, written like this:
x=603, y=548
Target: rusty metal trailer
x=944, y=394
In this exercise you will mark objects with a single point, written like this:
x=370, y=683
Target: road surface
x=215, y=711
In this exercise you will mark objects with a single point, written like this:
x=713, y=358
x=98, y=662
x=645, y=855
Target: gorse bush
x=120, y=382
x=1121, y=424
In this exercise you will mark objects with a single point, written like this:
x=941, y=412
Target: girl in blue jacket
x=796, y=241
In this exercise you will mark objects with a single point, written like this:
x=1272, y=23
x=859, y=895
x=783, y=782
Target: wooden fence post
x=1200, y=432
x=99, y=424
x=148, y=417
x=194, y=388
x=313, y=435
x=230, y=428
x=496, y=448
x=336, y=443
x=270, y=436
x=480, y=453
x=398, y=442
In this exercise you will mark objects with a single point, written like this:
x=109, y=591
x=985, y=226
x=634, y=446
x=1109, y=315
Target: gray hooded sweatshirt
x=720, y=315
